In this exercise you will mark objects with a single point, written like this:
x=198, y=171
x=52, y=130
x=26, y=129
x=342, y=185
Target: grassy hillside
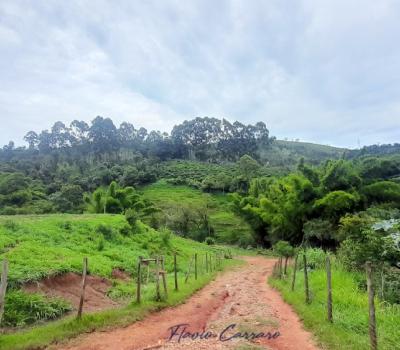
x=195, y=171
x=350, y=310
x=43, y=246
x=229, y=228
x=287, y=154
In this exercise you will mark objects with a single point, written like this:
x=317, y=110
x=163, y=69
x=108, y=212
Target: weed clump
x=24, y=308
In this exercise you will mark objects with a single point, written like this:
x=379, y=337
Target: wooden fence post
x=164, y=276
x=195, y=266
x=158, y=296
x=206, y=262
x=83, y=286
x=306, y=289
x=280, y=266
x=139, y=280
x=371, y=306
x=3, y=287
x=329, y=287
x=286, y=261
x=294, y=271
x=175, y=273
x=275, y=269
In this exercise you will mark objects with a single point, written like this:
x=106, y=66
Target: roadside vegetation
x=349, y=329
x=61, y=330
x=38, y=247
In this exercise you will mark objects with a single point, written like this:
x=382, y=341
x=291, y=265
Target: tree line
x=201, y=139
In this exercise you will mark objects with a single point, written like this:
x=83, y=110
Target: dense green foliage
x=25, y=308
x=44, y=246
x=192, y=213
x=41, y=246
x=349, y=329
x=308, y=204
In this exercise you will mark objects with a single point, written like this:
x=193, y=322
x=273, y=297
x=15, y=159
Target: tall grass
x=58, y=331
x=350, y=310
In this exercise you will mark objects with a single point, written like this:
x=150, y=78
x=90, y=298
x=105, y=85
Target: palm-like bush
x=116, y=199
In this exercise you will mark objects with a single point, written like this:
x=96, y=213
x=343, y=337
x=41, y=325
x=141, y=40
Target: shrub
x=11, y=225
x=210, y=241
x=315, y=258
x=131, y=217
x=7, y=210
x=125, y=230
x=392, y=287
x=120, y=290
x=100, y=244
x=165, y=235
x=66, y=225
x=283, y=248
x=23, y=308
x=104, y=230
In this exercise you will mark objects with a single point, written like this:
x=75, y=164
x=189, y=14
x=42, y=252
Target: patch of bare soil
x=120, y=275
x=240, y=297
x=68, y=287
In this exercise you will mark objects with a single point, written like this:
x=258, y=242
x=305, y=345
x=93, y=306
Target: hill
x=282, y=153
x=40, y=248
x=178, y=200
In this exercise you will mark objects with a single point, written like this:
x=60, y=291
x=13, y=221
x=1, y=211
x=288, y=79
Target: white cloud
x=321, y=71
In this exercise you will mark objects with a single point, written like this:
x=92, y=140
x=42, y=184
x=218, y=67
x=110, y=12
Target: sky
x=319, y=71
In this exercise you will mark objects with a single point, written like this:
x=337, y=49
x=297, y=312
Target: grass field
x=42, y=246
x=58, y=331
x=229, y=228
x=350, y=311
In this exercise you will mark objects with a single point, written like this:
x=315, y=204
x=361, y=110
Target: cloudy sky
x=321, y=71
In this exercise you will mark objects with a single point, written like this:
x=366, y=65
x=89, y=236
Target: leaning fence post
x=3, y=287
x=294, y=271
x=306, y=289
x=371, y=307
x=329, y=287
x=84, y=272
x=175, y=272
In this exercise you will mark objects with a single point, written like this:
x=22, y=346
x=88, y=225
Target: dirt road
x=238, y=304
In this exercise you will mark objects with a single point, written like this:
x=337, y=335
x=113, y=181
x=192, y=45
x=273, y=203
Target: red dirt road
x=240, y=296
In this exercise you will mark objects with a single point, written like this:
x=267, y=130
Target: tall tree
x=32, y=139
x=103, y=135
